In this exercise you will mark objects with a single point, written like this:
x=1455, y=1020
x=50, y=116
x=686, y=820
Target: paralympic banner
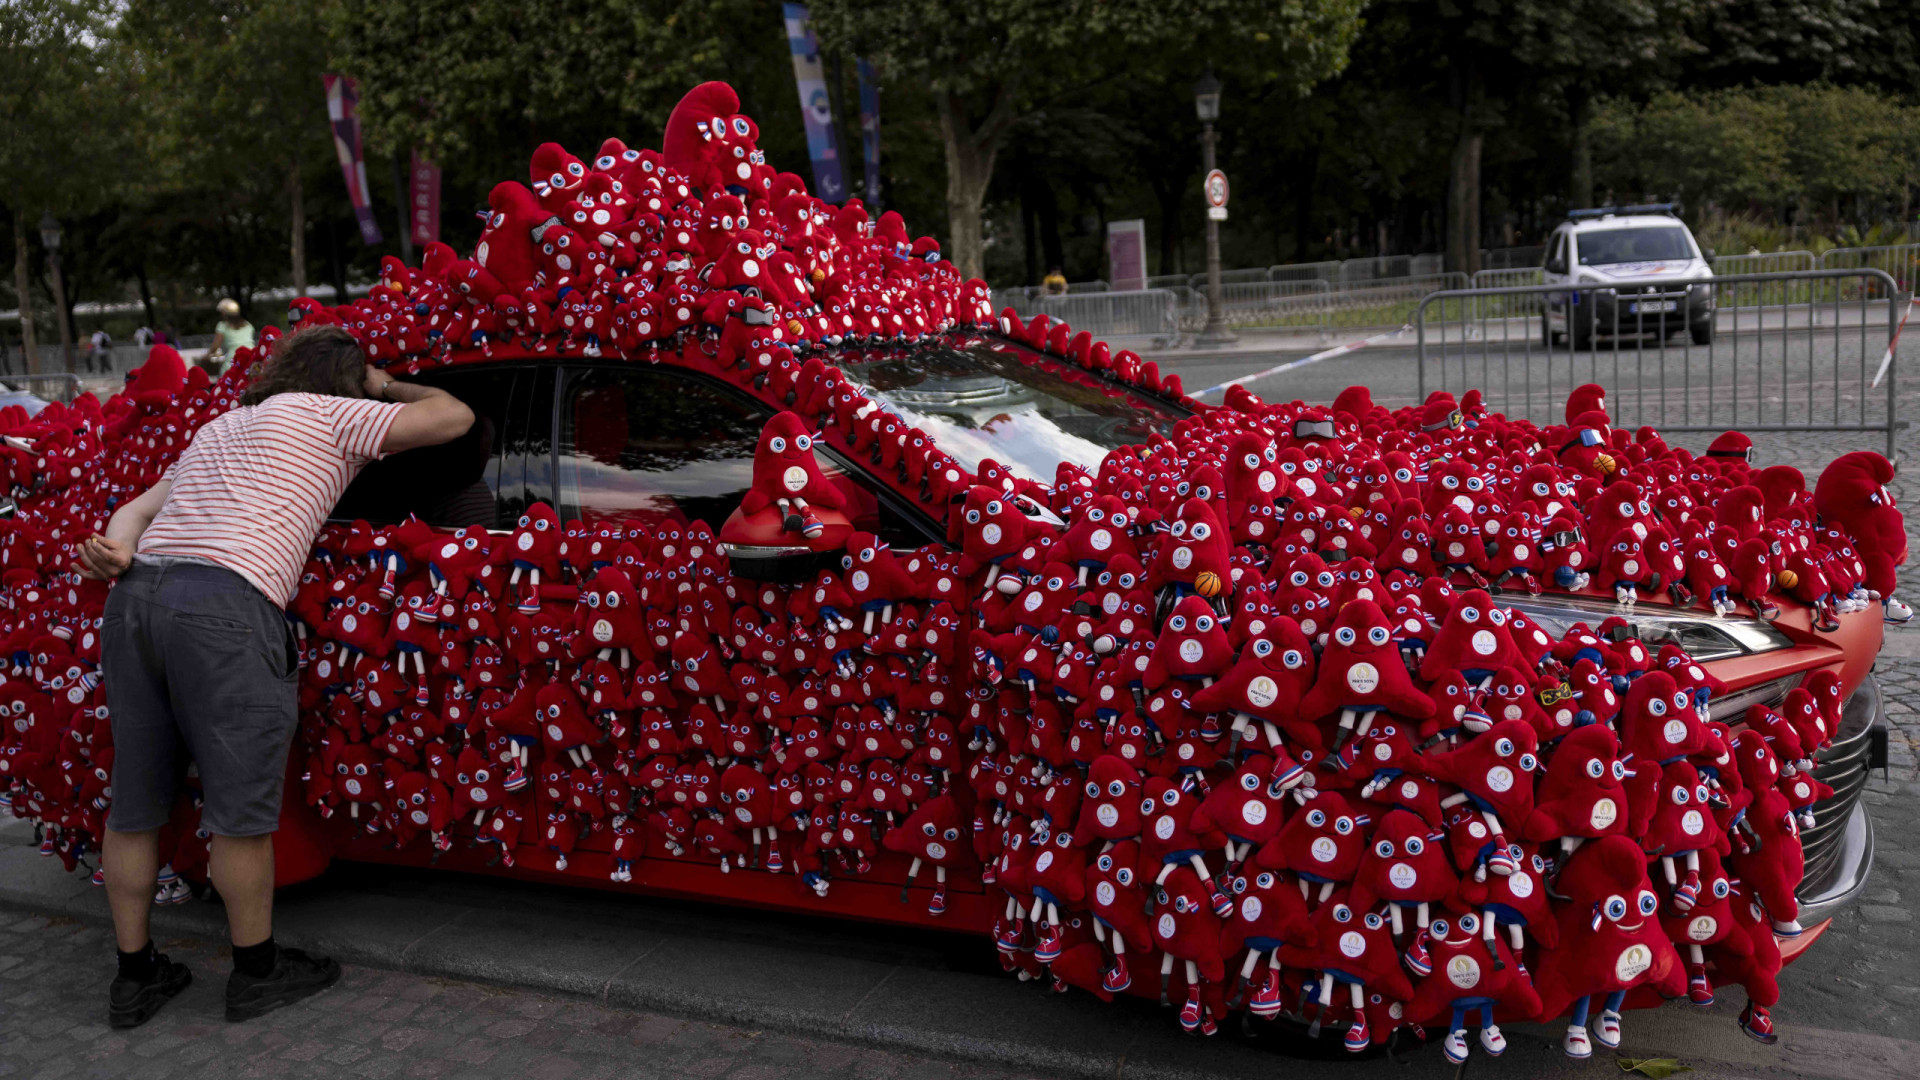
x=343, y=95
x=870, y=131
x=423, y=200
x=816, y=109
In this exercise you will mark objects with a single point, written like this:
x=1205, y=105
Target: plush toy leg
x=1501, y=861
x=913, y=871
x=1266, y=1000
x=1117, y=978
x=1757, y=1023
x=1491, y=1040
x=1606, y=1030
x=1577, y=1044
x=1688, y=891
x=1345, y=732
x=1487, y=929
x=1191, y=1013
x=937, y=904
x=1699, y=989
x=1456, y=1041
x=1166, y=975
x=1358, y=1036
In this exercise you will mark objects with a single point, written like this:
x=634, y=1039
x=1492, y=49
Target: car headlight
x=1703, y=637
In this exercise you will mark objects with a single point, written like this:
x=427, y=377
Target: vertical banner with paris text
x=423, y=200
x=343, y=96
x=816, y=109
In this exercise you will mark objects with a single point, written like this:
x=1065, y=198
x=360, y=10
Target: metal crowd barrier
x=1141, y=313
x=1901, y=262
x=1799, y=351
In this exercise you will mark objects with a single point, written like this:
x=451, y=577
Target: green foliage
x=55, y=102
x=1766, y=148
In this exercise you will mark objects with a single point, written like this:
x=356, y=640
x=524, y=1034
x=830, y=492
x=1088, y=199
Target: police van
x=1657, y=280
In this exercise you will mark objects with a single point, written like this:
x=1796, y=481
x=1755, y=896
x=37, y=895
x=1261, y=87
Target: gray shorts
x=197, y=663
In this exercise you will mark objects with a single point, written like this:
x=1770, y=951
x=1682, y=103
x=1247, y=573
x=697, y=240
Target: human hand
x=101, y=559
x=375, y=382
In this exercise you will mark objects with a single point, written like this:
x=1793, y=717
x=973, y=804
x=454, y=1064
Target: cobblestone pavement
x=375, y=1024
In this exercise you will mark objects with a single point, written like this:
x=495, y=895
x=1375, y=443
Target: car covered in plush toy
x=779, y=570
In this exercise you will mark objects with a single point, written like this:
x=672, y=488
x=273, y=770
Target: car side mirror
x=760, y=547
x=788, y=564
x=1556, y=266
x=1708, y=255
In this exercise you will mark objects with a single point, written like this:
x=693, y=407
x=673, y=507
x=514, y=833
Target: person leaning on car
x=197, y=658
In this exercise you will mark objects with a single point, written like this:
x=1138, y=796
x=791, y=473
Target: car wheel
x=1702, y=331
x=1580, y=326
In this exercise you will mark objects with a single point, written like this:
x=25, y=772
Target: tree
x=47, y=67
x=236, y=110
x=988, y=66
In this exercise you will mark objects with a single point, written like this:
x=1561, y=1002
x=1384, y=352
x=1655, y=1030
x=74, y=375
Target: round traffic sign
x=1215, y=188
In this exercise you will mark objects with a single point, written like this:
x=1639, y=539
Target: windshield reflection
x=979, y=398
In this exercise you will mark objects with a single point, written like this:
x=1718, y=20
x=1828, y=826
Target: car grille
x=1844, y=766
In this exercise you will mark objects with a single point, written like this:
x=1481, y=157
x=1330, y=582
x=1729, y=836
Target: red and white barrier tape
x=1893, y=343
x=1338, y=350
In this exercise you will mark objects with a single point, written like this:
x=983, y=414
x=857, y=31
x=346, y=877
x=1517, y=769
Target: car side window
x=639, y=446
x=452, y=485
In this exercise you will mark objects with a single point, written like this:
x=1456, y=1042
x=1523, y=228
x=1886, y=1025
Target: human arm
x=431, y=416
x=103, y=558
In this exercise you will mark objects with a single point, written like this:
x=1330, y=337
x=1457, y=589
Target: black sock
x=138, y=965
x=256, y=961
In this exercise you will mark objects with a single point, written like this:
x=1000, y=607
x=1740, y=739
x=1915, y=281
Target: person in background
x=143, y=338
x=1055, y=283
x=196, y=655
x=231, y=334
x=101, y=353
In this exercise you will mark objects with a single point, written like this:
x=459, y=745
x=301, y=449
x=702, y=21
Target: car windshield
x=984, y=397
x=1652, y=243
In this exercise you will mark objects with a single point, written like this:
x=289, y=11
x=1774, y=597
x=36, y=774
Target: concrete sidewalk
x=920, y=998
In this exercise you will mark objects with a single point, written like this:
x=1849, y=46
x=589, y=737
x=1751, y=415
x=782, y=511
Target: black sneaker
x=295, y=975
x=132, y=1002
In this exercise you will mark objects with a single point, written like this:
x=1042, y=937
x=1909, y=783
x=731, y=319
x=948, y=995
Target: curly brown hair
x=317, y=360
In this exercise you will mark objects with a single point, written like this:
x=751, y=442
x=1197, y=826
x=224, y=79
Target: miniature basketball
x=1207, y=583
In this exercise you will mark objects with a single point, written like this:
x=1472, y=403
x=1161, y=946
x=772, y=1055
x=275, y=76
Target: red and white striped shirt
x=253, y=487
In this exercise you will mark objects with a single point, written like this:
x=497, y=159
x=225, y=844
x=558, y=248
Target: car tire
x=1580, y=322
x=1702, y=331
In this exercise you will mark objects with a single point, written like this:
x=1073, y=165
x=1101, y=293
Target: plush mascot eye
x=1648, y=903
x=1596, y=768
x=1316, y=818
x=778, y=444
x=1203, y=624
x=1262, y=647
x=1105, y=863
x=1497, y=617
x=1384, y=849
x=1415, y=845
x=1293, y=658
x=1616, y=908
x=1528, y=762
x=1378, y=635
x=1342, y=913
x=1249, y=782
x=1681, y=700
x=1721, y=888
x=1116, y=788
x=1619, y=770
x=994, y=508
x=1657, y=707
x=1373, y=920
x=1470, y=614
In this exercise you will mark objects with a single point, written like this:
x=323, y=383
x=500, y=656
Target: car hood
x=1656, y=268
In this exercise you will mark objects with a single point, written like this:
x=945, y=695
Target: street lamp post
x=1206, y=104
x=50, y=239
